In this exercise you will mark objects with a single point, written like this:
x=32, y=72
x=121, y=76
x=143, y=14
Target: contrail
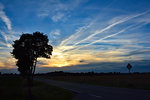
x=102, y=38
x=112, y=25
x=123, y=30
x=110, y=35
x=76, y=35
x=108, y=27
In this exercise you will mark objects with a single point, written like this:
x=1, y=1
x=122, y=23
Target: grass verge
x=12, y=88
x=42, y=91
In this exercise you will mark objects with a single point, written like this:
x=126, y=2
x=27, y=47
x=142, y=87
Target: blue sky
x=87, y=35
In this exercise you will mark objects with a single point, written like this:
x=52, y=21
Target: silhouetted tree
x=129, y=67
x=27, y=49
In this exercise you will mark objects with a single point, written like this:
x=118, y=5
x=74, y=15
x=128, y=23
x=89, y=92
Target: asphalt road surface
x=92, y=92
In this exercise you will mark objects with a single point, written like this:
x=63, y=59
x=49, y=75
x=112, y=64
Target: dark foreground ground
x=91, y=92
x=78, y=87
x=14, y=88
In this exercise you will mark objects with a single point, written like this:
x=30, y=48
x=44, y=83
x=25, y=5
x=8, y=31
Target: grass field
x=12, y=88
x=138, y=81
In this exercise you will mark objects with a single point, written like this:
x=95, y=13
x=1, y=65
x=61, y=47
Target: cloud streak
x=138, y=52
x=77, y=34
x=97, y=32
x=112, y=25
x=121, y=31
x=57, y=9
x=5, y=18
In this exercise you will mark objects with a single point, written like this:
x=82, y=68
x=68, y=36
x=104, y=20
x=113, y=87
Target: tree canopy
x=28, y=48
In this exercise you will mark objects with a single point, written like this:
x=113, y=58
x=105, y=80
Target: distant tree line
x=61, y=73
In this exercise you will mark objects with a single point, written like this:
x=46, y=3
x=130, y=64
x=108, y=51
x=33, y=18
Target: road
x=92, y=92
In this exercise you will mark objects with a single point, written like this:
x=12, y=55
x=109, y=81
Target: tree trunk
x=34, y=66
x=29, y=82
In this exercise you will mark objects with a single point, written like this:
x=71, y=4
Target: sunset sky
x=87, y=35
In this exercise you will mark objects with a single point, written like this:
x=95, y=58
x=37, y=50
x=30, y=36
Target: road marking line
x=96, y=96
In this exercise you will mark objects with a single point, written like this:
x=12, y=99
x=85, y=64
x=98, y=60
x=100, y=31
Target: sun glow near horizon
x=80, y=57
